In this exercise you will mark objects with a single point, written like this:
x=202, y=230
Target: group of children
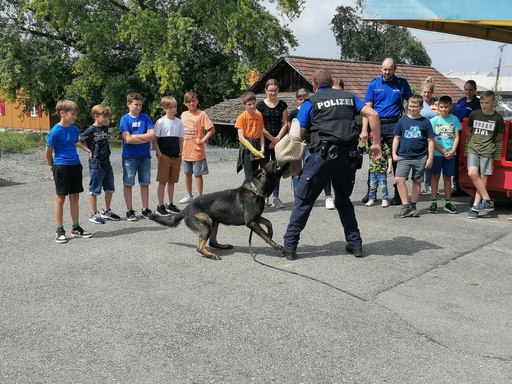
x=173, y=139
x=421, y=144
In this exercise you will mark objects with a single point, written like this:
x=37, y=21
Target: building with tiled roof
x=294, y=72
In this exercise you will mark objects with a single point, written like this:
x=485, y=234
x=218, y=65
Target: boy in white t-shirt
x=447, y=130
x=168, y=144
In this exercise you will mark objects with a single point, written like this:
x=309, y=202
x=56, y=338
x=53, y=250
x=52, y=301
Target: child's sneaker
x=277, y=203
x=96, y=218
x=130, y=215
x=510, y=218
x=146, y=212
x=329, y=203
x=171, y=208
x=450, y=208
x=80, y=232
x=433, y=208
x=109, y=215
x=385, y=203
x=403, y=212
x=414, y=213
x=60, y=236
x=160, y=210
x=370, y=203
x=472, y=214
x=187, y=199
x=484, y=206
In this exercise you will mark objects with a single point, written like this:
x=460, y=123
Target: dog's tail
x=173, y=220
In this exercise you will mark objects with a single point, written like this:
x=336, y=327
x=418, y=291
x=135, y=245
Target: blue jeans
x=134, y=165
x=375, y=180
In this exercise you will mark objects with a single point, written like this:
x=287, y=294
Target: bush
x=12, y=141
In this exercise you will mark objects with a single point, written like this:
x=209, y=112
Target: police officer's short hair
x=322, y=78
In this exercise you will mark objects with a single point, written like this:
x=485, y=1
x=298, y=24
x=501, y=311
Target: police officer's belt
x=334, y=151
x=389, y=120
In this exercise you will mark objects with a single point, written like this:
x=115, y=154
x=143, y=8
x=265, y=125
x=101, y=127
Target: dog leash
x=300, y=274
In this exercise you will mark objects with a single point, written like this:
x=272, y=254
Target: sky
x=313, y=32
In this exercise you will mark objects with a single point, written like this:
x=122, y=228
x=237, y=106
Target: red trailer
x=499, y=185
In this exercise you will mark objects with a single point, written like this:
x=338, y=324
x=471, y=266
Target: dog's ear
x=256, y=173
x=261, y=172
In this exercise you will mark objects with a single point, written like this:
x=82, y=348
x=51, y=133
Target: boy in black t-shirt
x=100, y=170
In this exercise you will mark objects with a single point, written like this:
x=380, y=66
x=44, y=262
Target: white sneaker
x=187, y=199
x=277, y=203
x=370, y=203
x=267, y=202
x=385, y=203
x=329, y=203
x=426, y=191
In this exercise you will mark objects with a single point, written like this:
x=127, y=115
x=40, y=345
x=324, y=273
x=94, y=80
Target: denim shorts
x=198, y=168
x=103, y=177
x=132, y=165
x=441, y=163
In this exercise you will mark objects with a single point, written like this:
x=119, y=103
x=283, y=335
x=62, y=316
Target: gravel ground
x=31, y=168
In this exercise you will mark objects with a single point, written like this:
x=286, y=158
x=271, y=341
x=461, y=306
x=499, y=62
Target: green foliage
x=372, y=41
x=98, y=51
x=15, y=142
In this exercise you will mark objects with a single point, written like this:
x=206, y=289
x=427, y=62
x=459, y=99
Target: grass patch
x=12, y=141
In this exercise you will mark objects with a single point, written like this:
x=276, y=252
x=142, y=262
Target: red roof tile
x=294, y=72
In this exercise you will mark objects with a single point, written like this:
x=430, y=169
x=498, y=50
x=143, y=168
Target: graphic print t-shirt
x=444, y=130
x=96, y=139
x=195, y=124
x=414, y=135
x=484, y=130
x=135, y=125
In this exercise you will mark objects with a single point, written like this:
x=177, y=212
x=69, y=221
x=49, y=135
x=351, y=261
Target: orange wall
x=11, y=119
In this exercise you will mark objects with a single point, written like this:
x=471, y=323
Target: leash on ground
x=300, y=274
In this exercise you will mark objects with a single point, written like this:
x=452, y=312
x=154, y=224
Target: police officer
x=329, y=117
x=386, y=95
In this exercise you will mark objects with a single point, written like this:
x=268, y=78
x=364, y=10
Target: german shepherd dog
x=239, y=206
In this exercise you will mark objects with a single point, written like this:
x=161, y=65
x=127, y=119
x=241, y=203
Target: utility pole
x=499, y=66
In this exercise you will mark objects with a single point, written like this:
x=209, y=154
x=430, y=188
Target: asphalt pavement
x=431, y=302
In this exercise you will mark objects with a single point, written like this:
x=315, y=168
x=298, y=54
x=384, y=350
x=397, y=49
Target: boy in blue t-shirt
x=415, y=137
x=100, y=169
x=447, y=130
x=66, y=168
x=137, y=131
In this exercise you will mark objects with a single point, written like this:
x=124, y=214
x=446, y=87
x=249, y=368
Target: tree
x=98, y=51
x=372, y=41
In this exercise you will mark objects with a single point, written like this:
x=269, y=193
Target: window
x=35, y=111
x=2, y=108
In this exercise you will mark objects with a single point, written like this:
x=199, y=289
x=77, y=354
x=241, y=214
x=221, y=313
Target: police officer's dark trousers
x=317, y=171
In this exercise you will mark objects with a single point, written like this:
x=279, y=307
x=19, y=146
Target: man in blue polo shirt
x=386, y=95
x=329, y=117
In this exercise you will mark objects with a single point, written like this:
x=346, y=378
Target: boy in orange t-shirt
x=195, y=123
x=250, y=128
